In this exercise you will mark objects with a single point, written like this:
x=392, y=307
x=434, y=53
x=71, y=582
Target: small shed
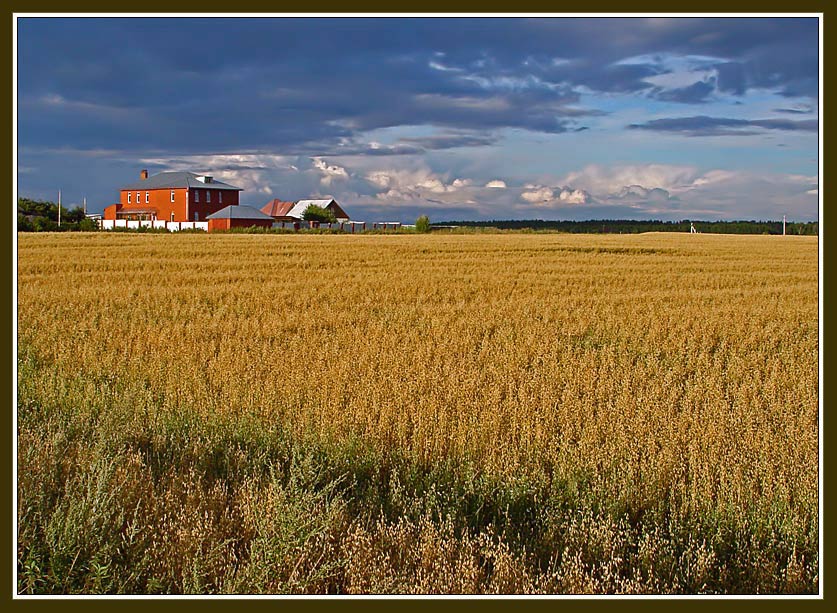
x=238, y=216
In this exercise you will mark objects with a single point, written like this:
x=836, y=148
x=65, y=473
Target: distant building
x=293, y=211
x=238, y=216
x=279, y=209
x=172, y=196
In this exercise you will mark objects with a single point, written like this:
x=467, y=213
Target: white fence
x=171, y=226
x=176, y=226
x=345, y=226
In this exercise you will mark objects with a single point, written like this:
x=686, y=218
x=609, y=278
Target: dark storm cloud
x=724, y=126
x=380, y=150
x=301, y=86
x=803, y=110
x=404, y=146
x=451, y=141
x=607, y=78
x=696, y=93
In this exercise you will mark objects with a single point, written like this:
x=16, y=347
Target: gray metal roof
x=165, y=180
x=239, y=211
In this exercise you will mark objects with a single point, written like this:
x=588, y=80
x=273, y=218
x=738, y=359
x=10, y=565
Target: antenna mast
x=59, y=208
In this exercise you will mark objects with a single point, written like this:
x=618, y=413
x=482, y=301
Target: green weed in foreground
x=112, y=501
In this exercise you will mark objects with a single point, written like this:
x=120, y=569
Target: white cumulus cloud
x=572, y=196
x=602, y=181
x=554, y=196
x=496, y=184
x=414, y=184
x=539, y=195
x=253, y=172
x=330, y=172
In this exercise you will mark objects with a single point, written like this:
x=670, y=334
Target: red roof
x=277, y=208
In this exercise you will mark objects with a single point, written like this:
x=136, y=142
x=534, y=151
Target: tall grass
x=417, y=414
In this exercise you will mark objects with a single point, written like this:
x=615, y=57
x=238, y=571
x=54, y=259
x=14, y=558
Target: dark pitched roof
x=178, y=180
x=239, y=211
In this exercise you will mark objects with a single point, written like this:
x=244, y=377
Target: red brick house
x=172, y=196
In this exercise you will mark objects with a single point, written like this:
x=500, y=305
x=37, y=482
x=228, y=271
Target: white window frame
x=129, y=197
x=146, y=197
x=172, y=195
x=208, y=196
x=138, y=198
x=197, y=195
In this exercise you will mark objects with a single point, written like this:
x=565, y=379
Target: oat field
x=486, y=413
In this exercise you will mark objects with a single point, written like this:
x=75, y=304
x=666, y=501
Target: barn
x=293, y=211
x=238, y=216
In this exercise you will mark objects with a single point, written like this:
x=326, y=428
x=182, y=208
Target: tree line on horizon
x=628, y=226
x=42, y=216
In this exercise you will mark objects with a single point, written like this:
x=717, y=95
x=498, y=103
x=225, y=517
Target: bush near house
x=318, y=213
x=423, y=224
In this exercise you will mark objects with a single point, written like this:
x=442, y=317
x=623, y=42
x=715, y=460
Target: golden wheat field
x=483, y=413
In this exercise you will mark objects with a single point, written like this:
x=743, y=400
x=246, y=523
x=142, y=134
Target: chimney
x=144, y=175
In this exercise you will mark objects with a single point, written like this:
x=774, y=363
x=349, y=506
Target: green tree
x=42, y=224
x=74, y=215
x=37, y=208
x=318, y=213
x=42, y=216
x=423, y=224
x=23, y=224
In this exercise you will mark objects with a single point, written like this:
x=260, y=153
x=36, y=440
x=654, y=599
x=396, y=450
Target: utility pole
x=59, y=208
x=84, y=201
x=784, y=221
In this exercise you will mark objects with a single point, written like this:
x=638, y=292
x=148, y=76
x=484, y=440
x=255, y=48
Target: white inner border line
x=820, y=239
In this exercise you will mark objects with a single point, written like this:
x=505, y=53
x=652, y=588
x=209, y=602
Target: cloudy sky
x=503, y=118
